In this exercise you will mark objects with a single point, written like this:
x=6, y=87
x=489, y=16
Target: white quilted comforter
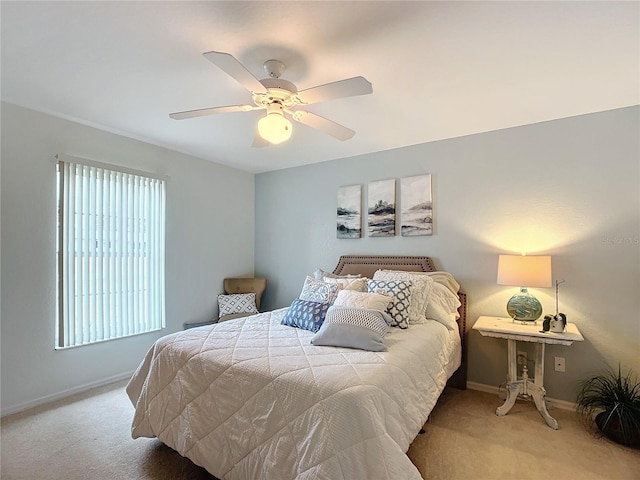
x=251, y=399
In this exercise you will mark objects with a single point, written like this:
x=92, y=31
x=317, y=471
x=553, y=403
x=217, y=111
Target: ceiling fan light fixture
x=279, y=96
x=274, y=127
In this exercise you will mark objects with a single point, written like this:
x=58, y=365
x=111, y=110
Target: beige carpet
x=87, y=437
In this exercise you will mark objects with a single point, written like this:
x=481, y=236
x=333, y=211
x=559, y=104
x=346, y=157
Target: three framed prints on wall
x=416, y=208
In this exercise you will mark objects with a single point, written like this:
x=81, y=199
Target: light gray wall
x=210, y=235
x=569, y=188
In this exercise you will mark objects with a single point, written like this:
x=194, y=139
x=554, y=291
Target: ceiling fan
x=281, y=99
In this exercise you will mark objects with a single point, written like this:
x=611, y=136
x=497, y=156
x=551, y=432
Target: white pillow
x=443, y=306
x=421, y=285
x=237, y=303
x=358, y=284
x=446, y=279
x=369, y=301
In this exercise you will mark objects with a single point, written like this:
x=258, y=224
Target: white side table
x=506, y=328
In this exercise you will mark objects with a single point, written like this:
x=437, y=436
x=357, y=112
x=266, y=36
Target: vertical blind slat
x=85, y=297
x=91, y=256
x=78, y=239
x=113, y=255
x=69, y=259
x=99, y=272
x=130, y=253
x=106, y=258
x=120, y=272
x=111, y=245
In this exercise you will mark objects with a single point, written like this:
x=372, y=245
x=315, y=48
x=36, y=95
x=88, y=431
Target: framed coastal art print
x=416, y=204
x=349, y=211
x=381, y=208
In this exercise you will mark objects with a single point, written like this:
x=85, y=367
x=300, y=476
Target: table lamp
x=524, y=271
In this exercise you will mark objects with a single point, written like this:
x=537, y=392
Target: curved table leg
x=538, y=394
x=538, y=391
x=514, y=389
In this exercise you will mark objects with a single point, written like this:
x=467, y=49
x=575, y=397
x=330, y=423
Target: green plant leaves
x=618, y=397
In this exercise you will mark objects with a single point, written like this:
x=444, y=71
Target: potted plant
x=612, y=401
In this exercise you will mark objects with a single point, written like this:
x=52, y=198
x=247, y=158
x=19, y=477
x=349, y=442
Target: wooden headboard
x=367, y=265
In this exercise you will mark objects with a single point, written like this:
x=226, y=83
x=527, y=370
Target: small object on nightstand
x=559, y=320
x=558, y=323
x=554, y=323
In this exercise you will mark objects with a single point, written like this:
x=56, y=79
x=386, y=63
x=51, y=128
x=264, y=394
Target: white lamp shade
x=524, y=270
x=275, y=128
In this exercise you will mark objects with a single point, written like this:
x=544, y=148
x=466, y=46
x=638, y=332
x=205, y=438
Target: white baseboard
x=561, y=404
x=65, y=393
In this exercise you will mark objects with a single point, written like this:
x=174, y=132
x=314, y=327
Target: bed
x=254, y=399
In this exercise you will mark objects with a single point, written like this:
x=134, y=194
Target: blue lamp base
x=524, y=307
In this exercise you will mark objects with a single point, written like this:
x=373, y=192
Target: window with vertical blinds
x=111, y=235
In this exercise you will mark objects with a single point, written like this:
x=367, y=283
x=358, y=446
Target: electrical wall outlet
x=522, y=358
x=559, y=364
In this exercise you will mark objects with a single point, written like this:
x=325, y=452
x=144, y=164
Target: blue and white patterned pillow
x=306, y=315
x=318, y=291
x=421, y=285
x=400, y=290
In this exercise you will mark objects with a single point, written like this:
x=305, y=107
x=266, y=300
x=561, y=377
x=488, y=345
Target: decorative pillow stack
x=400, y=290
x=398, y=298
x=309, y=309
x=237, y=303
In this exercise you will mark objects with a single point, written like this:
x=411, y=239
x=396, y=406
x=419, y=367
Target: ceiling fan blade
x=320, y=123
x=350, y=87
x=210, y=111
x=236, y=70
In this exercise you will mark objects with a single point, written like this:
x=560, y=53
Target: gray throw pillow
x=353, y=328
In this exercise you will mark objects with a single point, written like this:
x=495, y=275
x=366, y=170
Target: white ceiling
x=439, y=69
